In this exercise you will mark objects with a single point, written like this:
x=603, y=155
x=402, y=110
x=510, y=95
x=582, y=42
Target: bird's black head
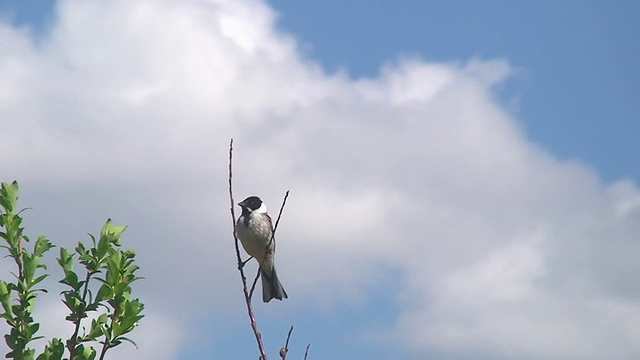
x=252, y=203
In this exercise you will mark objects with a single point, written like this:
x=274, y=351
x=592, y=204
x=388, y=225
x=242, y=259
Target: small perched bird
x=254, y=229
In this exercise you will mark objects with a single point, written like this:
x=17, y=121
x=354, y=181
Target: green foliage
x=101, y=290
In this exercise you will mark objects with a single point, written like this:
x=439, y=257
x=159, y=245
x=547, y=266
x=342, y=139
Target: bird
x=254, y=229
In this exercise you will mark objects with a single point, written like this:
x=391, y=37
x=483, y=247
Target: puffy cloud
x=125, y=109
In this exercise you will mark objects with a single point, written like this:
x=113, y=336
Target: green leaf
x=9, y=196
x=42, y=246
x=30, y=266
x=65, y=260
x=88, y=353
x=81, y=249
x=97, y=327
x=129, y=318
x=39, y=279
x=103, y=247
x=122, y=338
x=74, y=302
x=33, y=328
x=5, y=297
x=53, y=351
x=112, y=232
x=105, y=292
x=71, y=279
x=10, y=341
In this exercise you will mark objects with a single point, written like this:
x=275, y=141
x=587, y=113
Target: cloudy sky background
x=463, y=178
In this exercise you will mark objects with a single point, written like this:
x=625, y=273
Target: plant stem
x=247, y=295
x=73, y=341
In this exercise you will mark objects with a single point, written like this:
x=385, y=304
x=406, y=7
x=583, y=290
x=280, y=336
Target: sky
x=463, y=175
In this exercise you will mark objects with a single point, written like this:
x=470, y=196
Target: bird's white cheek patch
x=262, y=209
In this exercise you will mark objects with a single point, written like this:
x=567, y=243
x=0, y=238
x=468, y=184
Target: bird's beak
x=241, y=203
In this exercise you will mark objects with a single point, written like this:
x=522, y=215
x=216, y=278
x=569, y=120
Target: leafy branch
x=106, y=268
x=18, y=298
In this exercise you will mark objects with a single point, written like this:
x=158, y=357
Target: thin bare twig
x=247, y=297
x=273, y=234
x=255, y=281
x=285, y=350
x=306, y=351
x=272, y=240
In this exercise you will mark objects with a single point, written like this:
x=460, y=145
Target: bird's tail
x=271, y=286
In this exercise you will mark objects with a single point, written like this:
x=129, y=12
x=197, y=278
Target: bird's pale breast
x=255, y=236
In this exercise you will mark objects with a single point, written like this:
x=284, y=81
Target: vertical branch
x=73, y=340
x=247, y=297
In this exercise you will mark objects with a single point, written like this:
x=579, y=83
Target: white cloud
x=125, y=110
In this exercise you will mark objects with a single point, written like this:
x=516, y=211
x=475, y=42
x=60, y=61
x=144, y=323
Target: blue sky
x=463, y=173
x=578, y=93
